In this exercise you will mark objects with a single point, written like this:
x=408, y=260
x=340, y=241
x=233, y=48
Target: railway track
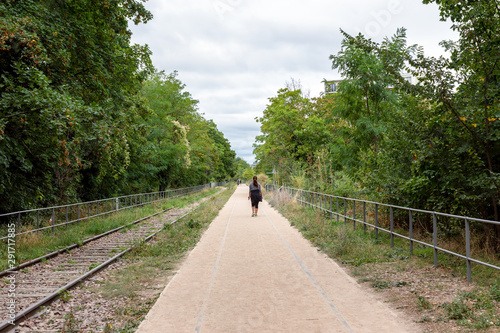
x=40, y=281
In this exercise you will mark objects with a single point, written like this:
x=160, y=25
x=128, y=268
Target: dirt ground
x=421, y=295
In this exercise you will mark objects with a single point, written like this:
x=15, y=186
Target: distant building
x=331, y=86
x=407, y=77
x=410, y=78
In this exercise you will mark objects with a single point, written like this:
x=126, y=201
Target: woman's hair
x=255, y=181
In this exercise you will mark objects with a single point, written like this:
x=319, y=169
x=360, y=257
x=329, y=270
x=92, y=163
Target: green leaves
x=82, y=114
x=68, y=74
x=432, y=143
x=179, y=147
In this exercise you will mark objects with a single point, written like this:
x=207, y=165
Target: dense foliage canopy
x=432, y=144
x=84, y=115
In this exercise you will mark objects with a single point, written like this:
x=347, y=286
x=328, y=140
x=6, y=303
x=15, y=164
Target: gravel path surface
x=258, y=274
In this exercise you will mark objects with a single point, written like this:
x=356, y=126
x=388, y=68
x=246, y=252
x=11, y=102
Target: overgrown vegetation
x=373, y=261
x=433, y=143
x=84, y=115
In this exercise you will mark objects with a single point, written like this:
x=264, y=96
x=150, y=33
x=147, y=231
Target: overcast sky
x=235, y=54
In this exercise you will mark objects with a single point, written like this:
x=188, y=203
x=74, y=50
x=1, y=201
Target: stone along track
x=40, y=281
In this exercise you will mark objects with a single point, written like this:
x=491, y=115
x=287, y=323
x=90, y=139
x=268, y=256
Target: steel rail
x=176, y=193
x=87, y=217
x=73, y=246
x=311, y=199
x=184, y=189
x=23, y=315
x=414, y=240
x=473, y=219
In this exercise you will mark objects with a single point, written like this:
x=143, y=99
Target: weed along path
x=258, y=274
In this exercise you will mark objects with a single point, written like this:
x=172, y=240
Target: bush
x=263, y=179
x=457, y=310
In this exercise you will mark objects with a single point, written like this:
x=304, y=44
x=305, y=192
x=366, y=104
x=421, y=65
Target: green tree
x=248, y=173
x=285, y=143
x=224, y=169
x=240, y=166
x=161, y=160
x=467, y=85
x=180, y=147
x=455, y=136
x=69, y=77
x=365, y=98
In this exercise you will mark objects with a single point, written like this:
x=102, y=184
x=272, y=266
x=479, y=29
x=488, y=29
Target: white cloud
x=235, y=54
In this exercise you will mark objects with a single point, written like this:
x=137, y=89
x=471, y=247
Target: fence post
x=37, y=219
x=53, y=219
x=467, y=250
x=66, y=217
x=354, y=215
x=411, y=232
x=376, y=221
x=338, y=217
x=18, y=230
x=331, y=207
x=392, y=227
x=364, y=216
x=345, y=212
x=77, y=213
x=434, y=238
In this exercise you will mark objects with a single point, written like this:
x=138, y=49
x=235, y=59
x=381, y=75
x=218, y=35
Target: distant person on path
x=255, y=194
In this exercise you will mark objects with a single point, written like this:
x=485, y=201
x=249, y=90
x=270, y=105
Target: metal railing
x=339, y=207
x=40, y=219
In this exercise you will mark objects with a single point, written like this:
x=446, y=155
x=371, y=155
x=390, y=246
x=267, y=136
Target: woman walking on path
x=255, y=194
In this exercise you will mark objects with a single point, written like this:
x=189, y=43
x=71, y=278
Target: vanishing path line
x=214, y=271
x=258, y=274
x=321, y=291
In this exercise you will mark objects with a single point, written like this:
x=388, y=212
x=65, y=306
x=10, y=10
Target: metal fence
x=381, y=218
x=35, y=220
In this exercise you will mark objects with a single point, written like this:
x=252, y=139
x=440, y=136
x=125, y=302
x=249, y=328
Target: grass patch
x=387, y=284
x=423, y=304
x=151, y=263
x=476, y=309
x=36, y=244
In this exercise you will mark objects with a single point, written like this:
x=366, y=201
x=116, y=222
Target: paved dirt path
x=258, y=274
